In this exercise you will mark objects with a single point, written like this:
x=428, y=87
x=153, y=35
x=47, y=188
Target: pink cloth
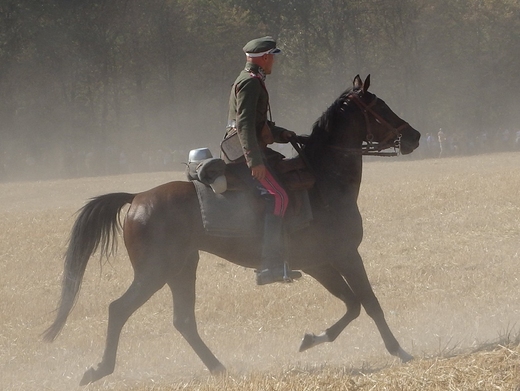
x=280, y=196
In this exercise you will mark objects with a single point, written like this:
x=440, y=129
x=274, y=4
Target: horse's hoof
x=88, y=377
x=219, y=370
x=404, y=356
x=307, y=342
x=93, y=375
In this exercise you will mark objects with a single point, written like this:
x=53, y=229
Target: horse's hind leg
x=182, y=285
x=141, y=289
x=353, y=270
x=334, y=282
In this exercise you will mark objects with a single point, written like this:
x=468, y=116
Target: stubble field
x=441, y=248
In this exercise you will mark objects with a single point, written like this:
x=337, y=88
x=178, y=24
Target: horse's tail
x=96, y=226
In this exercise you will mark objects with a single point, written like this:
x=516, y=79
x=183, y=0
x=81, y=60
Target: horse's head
x=384, y=129
x=360, y=122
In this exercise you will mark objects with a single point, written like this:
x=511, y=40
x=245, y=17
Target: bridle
x=369, y=147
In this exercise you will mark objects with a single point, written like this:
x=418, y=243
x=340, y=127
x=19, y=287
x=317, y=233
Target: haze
x=98, y=87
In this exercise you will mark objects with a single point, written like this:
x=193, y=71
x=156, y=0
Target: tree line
x=113, y=80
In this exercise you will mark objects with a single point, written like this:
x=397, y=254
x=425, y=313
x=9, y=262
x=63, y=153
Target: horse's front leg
x=353, y=270
x=334, y=282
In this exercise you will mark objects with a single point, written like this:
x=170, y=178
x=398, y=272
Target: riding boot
x=273, y=268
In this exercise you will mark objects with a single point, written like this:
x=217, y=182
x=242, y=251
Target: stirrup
x=288, y=274
x=278, y=274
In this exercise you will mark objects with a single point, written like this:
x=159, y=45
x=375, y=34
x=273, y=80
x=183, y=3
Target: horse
x=163, y=233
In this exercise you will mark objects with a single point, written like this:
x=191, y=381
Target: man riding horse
x=248, y=116
x=164, y=232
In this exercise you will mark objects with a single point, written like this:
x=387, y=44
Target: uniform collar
x=256, y=69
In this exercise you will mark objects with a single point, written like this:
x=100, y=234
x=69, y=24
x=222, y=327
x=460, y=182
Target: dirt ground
x=441, y=248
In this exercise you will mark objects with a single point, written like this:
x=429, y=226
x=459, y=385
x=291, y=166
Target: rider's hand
x=258, y=172
x=287, y=135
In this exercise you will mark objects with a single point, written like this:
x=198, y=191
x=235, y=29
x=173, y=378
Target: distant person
x=441, y=137
x=248, y=116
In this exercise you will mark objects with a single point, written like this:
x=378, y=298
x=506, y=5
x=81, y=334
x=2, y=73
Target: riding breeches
x=270, y=189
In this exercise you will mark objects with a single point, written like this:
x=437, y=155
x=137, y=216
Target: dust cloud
x=442, y=259
x=158, y=137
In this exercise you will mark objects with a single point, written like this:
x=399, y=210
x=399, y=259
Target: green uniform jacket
x=248, y=112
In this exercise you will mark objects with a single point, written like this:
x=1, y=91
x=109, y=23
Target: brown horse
x=163, y=233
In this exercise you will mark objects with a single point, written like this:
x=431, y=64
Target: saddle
x=294, y=173
x=232, y=209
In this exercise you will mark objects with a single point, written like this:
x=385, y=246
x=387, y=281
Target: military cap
x=260, y=46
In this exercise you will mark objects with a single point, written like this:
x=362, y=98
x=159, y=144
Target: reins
x=371, y=148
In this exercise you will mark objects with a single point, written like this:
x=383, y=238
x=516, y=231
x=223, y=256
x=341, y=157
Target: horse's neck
x=342, y=168
x=338, y=180
x=338, y=162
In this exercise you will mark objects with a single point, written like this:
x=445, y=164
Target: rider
x=248, y=114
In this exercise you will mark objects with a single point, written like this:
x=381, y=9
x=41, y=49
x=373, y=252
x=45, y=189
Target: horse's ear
x=366, y=84
x=358, y=83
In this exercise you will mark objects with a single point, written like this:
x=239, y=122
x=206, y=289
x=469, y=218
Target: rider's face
x=268, y=63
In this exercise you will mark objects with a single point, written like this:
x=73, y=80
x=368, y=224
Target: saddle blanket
x=233, y=214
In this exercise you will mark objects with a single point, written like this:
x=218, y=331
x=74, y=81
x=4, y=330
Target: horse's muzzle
x=409, y=140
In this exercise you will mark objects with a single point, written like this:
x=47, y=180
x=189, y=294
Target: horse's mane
x=323, y=127
x=329, y=117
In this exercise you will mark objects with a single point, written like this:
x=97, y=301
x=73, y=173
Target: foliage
x=99, y=76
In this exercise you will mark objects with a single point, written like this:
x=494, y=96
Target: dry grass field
x=441, y=248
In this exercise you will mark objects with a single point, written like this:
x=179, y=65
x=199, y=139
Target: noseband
x=392, y=140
